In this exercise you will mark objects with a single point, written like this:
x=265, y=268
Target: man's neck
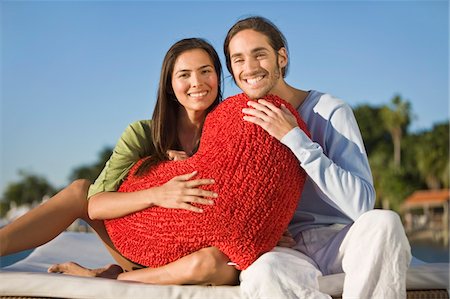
x=292, y=95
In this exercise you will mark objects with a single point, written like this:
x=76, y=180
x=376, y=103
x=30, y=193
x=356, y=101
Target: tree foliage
x=92, y=171
x=432, y=152
x=31, y=188
x=371, y=126
x=402, y=163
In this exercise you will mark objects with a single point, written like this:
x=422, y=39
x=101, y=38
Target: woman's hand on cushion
x=180, y=192
x=276, y=121
x=177, y=155
x=286, y=240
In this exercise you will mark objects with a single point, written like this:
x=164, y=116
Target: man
x=335, y=227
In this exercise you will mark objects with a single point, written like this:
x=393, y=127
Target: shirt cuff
x=300, y=144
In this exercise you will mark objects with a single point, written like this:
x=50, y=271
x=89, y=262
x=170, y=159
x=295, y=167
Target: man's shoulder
x=327, y=99
x=326, y=102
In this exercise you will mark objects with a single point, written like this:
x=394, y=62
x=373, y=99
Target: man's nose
x=251, y=64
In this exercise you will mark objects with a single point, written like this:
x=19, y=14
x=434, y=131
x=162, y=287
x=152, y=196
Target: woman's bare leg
x=45, y=222
x=207, y=266
x=109, y=271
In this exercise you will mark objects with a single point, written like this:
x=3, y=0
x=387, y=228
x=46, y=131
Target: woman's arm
x=134, y=144
x=178, y=193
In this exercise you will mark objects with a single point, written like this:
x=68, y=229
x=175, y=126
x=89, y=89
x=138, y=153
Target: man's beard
x=266, y=89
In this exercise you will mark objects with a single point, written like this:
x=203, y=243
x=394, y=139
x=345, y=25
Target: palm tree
x=396, y=118
x=432, y=156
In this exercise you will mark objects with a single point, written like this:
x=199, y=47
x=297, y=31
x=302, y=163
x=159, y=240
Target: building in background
x=425, y=215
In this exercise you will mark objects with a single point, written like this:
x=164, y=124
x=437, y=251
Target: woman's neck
x=189, y=131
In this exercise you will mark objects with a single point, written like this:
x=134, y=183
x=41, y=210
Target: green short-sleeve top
x=135, y=143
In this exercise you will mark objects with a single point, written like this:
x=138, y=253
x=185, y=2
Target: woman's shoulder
x=140, y=129
x=140, y=125
x=136, y=139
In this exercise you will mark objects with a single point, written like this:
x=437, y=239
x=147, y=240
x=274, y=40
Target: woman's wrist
x=150, y=196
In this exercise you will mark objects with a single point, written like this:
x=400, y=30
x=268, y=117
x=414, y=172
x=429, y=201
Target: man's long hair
x=261, y=25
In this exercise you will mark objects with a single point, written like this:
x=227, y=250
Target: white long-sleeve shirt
x=339, y=187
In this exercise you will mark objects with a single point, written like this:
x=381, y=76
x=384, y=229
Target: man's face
x=255, y=64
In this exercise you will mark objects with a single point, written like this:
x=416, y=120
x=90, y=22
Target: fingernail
x=215, y=195
x=210, y=202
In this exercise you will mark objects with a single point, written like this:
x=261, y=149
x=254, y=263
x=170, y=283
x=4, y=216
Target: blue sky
x=74, y=74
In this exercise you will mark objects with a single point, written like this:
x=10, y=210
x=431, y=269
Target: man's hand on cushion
x=286, y=240
x=180, y=192
x=276, y=121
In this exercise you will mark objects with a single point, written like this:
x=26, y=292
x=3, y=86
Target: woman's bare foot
x=109, y=271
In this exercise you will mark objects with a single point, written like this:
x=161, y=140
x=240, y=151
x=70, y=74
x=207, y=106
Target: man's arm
x=341, y=170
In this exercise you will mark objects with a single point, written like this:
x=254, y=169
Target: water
x=13, y=258
x=430, y=252
x=425, y=251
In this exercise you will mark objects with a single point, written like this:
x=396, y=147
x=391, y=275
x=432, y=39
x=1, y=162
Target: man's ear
x=282, y=57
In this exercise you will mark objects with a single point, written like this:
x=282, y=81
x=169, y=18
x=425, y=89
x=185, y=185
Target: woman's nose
x=196, y=80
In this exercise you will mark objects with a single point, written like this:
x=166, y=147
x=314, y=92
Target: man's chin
x=255, y=95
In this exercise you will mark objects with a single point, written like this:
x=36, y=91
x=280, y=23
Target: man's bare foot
x=109, y=271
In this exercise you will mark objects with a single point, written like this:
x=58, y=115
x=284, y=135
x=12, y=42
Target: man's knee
x=381, y=219
x=387, y=225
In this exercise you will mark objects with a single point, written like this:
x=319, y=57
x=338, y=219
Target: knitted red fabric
x=259, y=182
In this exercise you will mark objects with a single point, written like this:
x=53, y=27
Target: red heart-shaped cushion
x=259, y=182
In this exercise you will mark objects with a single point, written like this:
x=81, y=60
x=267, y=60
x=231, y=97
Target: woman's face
x=194, y=80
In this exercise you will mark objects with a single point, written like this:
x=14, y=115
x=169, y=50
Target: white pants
x=373, y=252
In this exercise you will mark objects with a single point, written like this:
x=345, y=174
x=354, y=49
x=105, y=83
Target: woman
x=189, y=88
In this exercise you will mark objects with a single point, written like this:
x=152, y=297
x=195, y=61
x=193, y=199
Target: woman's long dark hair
x=165, y=116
